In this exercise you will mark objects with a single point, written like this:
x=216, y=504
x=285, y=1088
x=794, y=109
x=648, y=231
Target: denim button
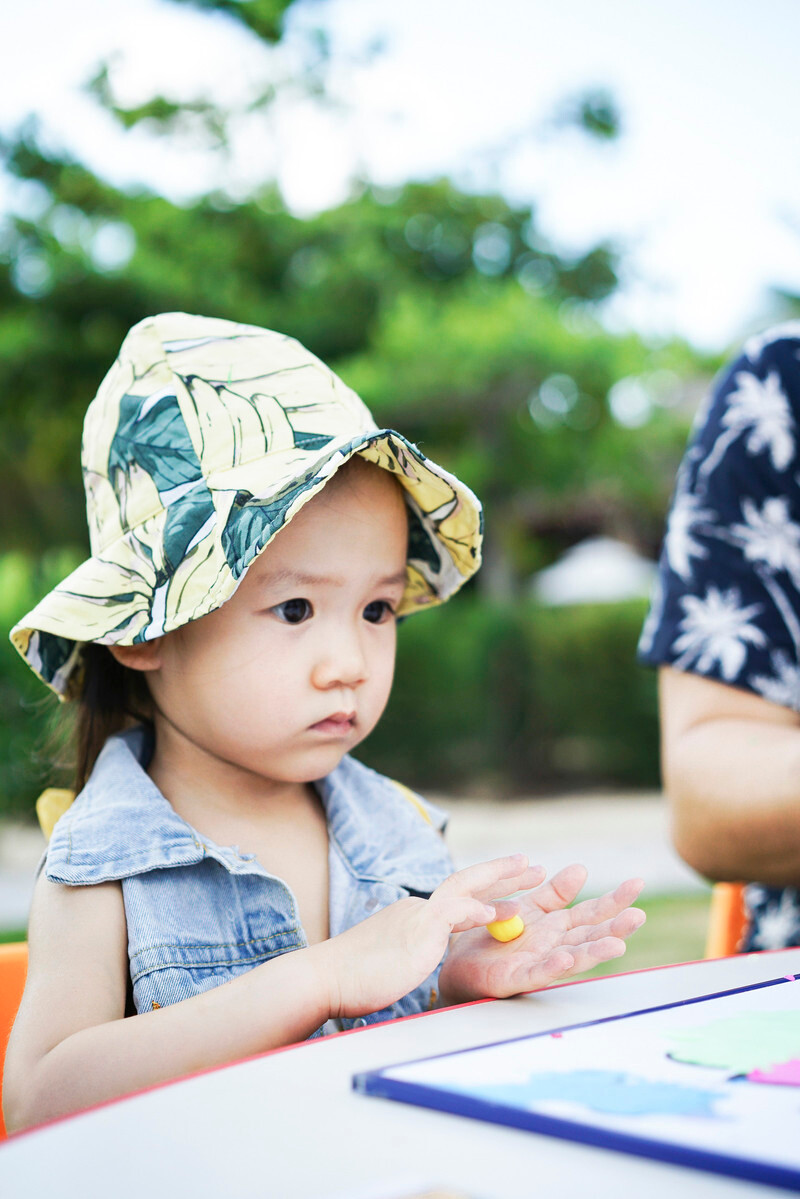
x=359, y=1022
x=371, y=904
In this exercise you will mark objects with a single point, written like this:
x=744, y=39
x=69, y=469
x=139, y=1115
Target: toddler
x=228, y=877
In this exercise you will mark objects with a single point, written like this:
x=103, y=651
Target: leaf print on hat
x=454, y=529
x=52, y=657
x=152, y=438
x=417, y=591
x=253, y=521
x=311, y=441
x=189, y=519
x=116, y=594
x=152, y=434
x=233, y=426
x=450, y=523
x=420, y=546
x=204, y=439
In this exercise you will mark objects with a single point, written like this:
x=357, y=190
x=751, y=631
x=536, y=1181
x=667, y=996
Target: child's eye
x=293, y=611
x=378, y=611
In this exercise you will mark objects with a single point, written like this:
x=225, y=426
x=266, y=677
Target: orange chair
x=13, y=969
x=727, y=919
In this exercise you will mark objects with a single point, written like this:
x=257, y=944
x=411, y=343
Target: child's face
x=295, y=670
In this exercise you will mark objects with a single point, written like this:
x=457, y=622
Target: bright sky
x=702, y=189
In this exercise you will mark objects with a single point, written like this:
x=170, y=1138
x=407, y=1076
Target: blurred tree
x=449, y=312
x=262, y=17
x=366, y=278
x=785, y=304
x=594, y=111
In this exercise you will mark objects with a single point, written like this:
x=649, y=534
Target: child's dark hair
x=111, y=698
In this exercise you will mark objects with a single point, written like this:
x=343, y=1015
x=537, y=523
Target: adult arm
x=731, y=765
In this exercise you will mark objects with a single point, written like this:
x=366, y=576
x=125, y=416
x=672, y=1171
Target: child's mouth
x=337, y=725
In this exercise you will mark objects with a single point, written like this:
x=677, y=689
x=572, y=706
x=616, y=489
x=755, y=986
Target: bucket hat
x=204, y=439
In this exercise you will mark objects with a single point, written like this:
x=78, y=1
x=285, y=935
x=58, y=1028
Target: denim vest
x=200, y=914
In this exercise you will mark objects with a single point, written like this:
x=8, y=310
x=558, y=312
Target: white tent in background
x=598, y=570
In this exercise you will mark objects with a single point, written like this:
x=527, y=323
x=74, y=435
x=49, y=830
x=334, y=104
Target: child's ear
x=145, y=655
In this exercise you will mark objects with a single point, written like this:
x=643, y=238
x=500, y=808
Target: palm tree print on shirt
x=680, y=545
x=727, y=603
x=769, y=535
x=760, y=407
x=716, y=631
x=735, y=522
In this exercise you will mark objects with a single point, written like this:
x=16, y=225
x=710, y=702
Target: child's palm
x=378, y=961
x=558, y=941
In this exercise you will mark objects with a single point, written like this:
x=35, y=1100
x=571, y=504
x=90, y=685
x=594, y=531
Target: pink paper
x=785, y=1073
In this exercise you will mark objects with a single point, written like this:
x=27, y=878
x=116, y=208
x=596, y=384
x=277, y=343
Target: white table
x=287, y=1125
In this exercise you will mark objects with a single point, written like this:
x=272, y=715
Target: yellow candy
x=506, y=930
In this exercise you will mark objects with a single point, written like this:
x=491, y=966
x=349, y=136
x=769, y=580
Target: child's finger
x=623, y=925
x=605, y=907
x=561, y=889
x=530, y=973
x=594, y=911
x=592, y=952
x=487, y=879
x=462, y=912
x=505, y=908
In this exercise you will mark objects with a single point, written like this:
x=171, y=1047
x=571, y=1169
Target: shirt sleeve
x=727, y=599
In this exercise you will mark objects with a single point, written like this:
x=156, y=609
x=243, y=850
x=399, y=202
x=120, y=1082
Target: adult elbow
x=706, y=839
x=698, y=849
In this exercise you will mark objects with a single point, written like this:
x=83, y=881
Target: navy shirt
x=727, y=600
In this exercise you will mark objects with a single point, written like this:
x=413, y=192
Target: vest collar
x=121, y=825
x=379, y=832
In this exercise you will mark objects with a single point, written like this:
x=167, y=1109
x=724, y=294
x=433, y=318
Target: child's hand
x=378, y=961
x=558, y=941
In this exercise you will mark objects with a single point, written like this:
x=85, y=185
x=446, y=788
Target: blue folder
x=502, y=1108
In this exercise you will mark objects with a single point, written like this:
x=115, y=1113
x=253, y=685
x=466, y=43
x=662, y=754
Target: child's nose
x=342, y=663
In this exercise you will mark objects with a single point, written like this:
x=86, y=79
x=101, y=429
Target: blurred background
x=527, y=234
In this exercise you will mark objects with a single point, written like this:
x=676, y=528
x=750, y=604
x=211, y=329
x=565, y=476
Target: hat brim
x=188, y=559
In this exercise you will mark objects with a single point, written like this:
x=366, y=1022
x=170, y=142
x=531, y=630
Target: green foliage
x=595, y=112
x=427, y=304
x=468, y=375
x=594, y=709
x=28, y=715
x=518, y=698
x=459, y=324
x=441, y=724
x=263, y=17
x=676, y=931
